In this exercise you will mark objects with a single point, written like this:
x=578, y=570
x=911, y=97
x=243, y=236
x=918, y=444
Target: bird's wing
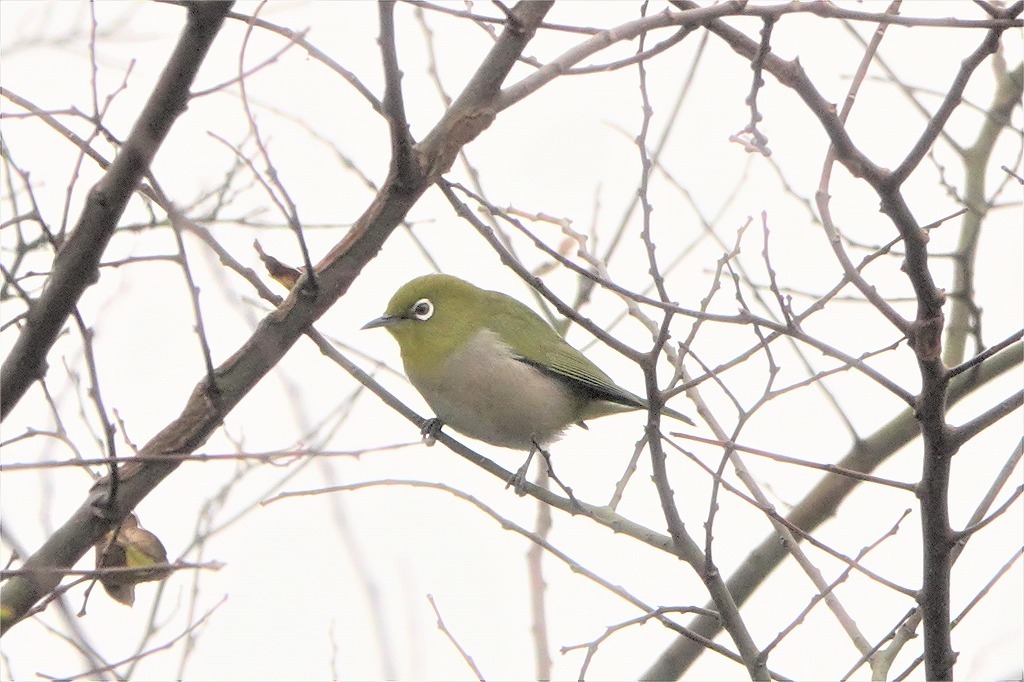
x=570, y=366
x=560, y=360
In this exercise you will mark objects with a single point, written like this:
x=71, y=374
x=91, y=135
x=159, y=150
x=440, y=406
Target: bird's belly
x=500, y=400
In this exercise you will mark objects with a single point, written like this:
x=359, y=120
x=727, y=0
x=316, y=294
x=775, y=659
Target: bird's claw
x=430, y=429
x=518, y=480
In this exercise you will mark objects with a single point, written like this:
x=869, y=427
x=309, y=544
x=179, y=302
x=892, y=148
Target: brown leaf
x=133, y=548
x=281, y=273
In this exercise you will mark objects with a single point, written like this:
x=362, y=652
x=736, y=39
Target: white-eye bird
x=493, y=369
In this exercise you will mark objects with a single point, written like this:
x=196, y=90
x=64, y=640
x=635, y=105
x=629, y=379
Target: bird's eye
x=423, y=310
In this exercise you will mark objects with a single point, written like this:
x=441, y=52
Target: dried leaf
x=283, y=274
x=133, y=548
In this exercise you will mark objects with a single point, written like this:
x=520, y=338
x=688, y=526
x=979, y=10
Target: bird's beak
x=382, y=321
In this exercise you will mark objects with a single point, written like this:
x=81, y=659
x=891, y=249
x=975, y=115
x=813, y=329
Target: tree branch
x=819, y=505
x=276, y=333
x=76, y=266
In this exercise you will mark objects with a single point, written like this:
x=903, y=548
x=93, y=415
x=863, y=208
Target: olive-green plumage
x=493, y=369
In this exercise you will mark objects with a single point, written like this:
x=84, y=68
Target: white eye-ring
x=423, y=310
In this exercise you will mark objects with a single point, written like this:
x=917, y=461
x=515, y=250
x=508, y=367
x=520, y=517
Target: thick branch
x=76, y=266
x=820, y=504
x=962, y=310
x=208, y=405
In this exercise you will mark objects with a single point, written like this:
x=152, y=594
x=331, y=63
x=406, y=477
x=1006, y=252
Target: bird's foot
x=429, y=430
x=518, y=480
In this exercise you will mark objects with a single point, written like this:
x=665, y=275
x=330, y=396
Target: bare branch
x=75, y=266
x=207, y=406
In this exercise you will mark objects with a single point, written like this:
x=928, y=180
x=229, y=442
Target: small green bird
x=493, y=369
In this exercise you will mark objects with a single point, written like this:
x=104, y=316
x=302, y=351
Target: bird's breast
x=484, y=392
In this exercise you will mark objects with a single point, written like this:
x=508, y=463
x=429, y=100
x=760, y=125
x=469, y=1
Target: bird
x=494, y=370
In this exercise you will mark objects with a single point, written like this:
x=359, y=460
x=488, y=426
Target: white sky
x=293, y=608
